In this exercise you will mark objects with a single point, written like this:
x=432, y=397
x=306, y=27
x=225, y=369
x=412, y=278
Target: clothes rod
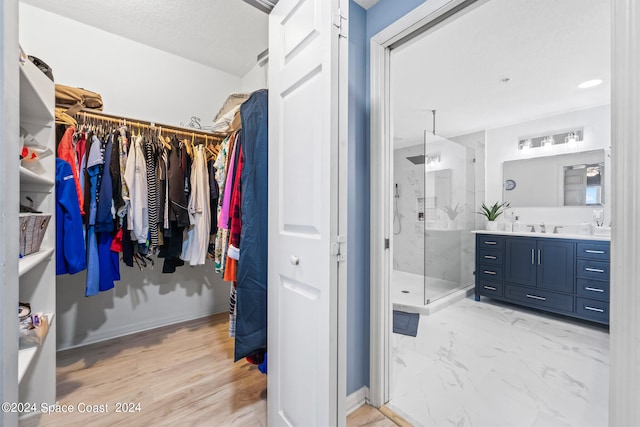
x=82, y=115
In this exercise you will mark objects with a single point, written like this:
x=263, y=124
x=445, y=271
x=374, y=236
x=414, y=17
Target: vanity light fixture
x=590, y=83
x=571, y=138
x=524, y=144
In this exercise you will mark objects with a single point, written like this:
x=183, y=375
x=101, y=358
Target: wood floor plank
x=180, y=374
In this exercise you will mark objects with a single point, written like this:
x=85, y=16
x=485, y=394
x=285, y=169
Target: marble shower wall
x=408, y=232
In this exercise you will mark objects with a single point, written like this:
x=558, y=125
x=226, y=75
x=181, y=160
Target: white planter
x=491, y=225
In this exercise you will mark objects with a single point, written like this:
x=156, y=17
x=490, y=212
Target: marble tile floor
x=492, y=364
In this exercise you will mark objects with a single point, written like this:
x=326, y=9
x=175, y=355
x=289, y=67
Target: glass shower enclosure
x=433, y=215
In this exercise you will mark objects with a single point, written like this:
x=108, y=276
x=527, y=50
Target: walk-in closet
x=150, y=171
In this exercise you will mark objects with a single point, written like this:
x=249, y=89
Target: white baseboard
x=357, y=399
x=105, y=335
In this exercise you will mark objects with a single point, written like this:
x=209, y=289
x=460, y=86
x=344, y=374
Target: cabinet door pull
x=493, y=273
x=539, y=256
x=491, y=288
x=599, y=310
x=490, y=257
x=591, y=251
x=532, y=257
x=489, y=242
x=594, y=270
x=536, y=297
x=589, y=288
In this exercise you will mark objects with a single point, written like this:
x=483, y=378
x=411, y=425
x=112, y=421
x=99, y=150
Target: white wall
x=134, y=80
x=141, y=82
x=502, y=145
x=256, y=78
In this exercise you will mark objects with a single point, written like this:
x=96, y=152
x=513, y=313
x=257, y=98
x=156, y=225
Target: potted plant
x=452, y=213
x=491, y=213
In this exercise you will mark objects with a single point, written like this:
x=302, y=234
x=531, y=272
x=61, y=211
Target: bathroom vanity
x=563, y=274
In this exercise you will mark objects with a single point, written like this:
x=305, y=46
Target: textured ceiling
x=544, y=47
x=223, y=34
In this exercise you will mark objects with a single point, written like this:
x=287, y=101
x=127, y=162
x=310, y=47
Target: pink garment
x=223, y=220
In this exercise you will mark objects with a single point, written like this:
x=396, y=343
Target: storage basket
x=32, y=230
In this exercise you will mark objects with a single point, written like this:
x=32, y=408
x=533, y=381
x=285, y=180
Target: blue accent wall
x=358, y=206
x=363, y=24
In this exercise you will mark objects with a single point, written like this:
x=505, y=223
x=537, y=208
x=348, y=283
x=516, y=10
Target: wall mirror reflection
x=573, y=179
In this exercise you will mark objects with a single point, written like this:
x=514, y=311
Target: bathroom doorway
x=492, y=83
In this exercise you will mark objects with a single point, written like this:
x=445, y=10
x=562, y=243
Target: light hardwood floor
x=180, y=375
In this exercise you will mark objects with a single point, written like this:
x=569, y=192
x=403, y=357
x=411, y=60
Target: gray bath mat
x=405, y=323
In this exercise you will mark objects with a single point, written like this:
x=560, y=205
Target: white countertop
x=548, y=235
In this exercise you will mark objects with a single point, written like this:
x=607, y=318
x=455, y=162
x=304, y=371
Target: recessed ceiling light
x=590, y=83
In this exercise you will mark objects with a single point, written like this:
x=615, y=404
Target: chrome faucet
x=556, y=228
x=543, y=229
x=533, y=228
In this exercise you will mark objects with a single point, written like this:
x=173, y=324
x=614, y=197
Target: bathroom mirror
x=573, y=179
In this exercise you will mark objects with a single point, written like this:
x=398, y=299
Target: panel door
x=307, y=117
x=520, y=261
x=556, y=265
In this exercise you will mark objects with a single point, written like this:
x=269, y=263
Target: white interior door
x=306, y=218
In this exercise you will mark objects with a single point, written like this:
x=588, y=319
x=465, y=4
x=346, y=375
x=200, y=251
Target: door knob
x=294, y=260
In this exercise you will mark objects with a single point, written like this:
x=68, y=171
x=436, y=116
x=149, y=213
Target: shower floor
x=408, y=292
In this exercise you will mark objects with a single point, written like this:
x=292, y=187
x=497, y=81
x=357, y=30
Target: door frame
x=415, y=22
x=625, y=103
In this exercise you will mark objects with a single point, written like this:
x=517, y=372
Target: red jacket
x=67, y=152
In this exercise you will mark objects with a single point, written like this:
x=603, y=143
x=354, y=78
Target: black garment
x=116, y=176
x=214, y=192
x=177, y=199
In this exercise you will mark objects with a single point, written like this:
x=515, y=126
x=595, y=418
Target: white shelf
x=32, y=178
x=35, y=87
x=26, y=355
x=30, y=261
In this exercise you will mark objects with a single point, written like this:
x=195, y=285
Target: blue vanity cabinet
x=565, y=276
x=592, y=283
x=555, y=262
x=489, y=265
x=520, y=261
x=541, y=263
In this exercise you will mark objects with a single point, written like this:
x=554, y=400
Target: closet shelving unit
x=37, y=272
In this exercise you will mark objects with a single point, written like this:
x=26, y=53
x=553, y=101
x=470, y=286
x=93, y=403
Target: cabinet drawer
x=489, y=272
x=597, y=311
x=593, y=251
x=490, y=257
x=487, y=241
x=593, y=289
x=588, y=269
x=540, y=299
x=490, y=289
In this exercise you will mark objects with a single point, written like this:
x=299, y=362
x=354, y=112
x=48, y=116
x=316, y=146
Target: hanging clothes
x=104, y=225
x=220, y=166
x=197, y=240
x=94, y=162
x=67, y=152
x=70, y=250
x=251, y=319
x=152, y=191
x=135, y=176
